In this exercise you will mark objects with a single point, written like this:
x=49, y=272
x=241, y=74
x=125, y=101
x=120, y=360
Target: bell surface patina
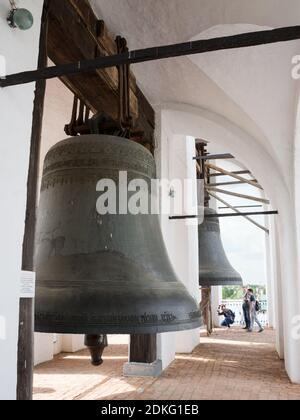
x=102, y=274
x=214, y=267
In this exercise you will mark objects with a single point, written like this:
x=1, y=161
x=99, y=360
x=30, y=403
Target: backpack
x=257, y=306
x=231, y=316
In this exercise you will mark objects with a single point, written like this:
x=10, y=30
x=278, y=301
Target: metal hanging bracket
x=81, y=123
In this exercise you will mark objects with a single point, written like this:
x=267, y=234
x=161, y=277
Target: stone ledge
x=143, y=369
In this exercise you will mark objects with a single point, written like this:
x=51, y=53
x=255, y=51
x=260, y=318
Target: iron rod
x=214, y=157
x=157, y=53
x=183, y=217
x=220, y=215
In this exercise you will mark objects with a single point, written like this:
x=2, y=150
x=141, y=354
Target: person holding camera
x=229, y=316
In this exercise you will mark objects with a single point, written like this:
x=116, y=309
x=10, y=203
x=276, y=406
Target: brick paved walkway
x=230, y=365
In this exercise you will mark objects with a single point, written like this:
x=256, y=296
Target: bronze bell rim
x=85, y=310
x=212, y=282
x=137, y=329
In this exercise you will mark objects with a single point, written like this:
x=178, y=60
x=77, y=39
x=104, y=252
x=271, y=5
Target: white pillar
x=71, y=343
x=290, y=294
x=269, y=267
x=292, y=281
x=185, y=258
x=174, y=157
x=216, y=300
x=43, y=348
x=165, y=342
x=278, y=308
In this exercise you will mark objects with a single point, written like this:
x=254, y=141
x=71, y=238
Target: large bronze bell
x=214, y=267
x=102, y=274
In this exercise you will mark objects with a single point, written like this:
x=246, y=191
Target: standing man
x=246, y=309
x=254, y=312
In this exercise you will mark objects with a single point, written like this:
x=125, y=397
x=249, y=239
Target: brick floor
x=230, y=365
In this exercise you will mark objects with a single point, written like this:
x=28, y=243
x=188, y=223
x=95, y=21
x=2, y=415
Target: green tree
x=236, y=292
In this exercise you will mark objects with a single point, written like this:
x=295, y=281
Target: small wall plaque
x=27, y=286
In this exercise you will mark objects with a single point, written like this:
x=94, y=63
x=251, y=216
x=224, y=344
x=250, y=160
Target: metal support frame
x=80, y=120
x=217, y=174
x=221, y=215
x=125, y=118
x=225, y=184
x=157, y=53
x=215, y=157
x=243, y=207
x=233, y=194
x=238, y=212
x=235, y=176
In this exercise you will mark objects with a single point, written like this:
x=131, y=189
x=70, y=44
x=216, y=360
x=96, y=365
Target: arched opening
x=226, y=136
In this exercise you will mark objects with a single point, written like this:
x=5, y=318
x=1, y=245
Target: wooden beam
x=217, y=174
x=76, y=34
x=247, y=197
x=143, y=348
x=145, y=122
x=86, y=37
x=26, y=317
x=249, y=39
x=238, y=177
x=250, y=213
x=221, y=215
x=237, y=211
x=198, y=167
x=242, y=207
x=224, y=184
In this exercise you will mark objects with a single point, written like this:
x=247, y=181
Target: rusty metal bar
x=249, y=39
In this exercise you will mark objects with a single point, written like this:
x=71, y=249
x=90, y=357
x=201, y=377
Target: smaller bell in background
x=214, y=267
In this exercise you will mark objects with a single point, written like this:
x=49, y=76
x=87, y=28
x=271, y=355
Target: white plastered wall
x=20, y=50
x=57, y=113
x=174, y=156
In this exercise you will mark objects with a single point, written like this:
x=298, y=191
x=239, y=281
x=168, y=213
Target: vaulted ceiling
x=252, y=87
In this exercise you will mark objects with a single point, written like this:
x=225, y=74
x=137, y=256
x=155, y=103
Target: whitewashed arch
x=227, y=137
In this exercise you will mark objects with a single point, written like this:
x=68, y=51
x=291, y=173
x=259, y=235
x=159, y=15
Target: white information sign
x=27, y=287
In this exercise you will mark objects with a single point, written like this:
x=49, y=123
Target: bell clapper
x=96, y=345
